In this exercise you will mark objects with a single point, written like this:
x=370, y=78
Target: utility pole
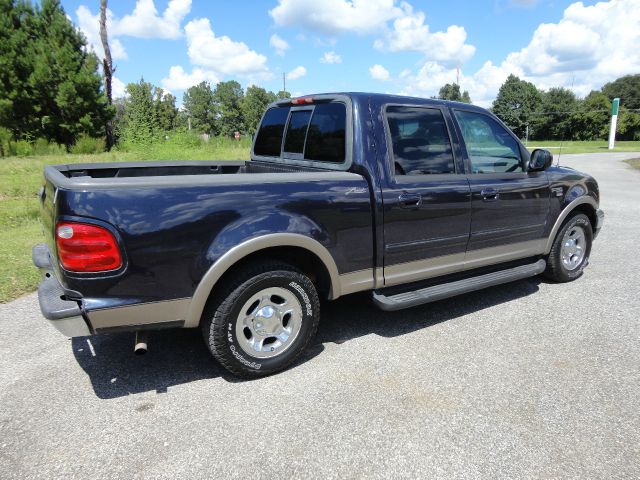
x=284, y=82
x=614, y=122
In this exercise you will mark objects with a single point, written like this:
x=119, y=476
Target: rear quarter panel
x=173, y=235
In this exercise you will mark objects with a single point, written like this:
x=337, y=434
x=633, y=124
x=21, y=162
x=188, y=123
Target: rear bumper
x=599, y=222
x=63, y=314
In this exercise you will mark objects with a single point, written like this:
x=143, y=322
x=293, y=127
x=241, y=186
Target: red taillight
x=87, y=248
x=301, y=100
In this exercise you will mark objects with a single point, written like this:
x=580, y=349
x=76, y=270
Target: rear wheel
x=263, y=320
x=571, y=248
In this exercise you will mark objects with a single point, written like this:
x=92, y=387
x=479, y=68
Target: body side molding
x=585, y=199
x=237, y=253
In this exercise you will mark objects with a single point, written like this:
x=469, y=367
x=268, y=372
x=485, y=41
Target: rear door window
x=420, y=141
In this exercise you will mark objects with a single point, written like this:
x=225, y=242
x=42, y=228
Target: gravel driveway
x=527, y=380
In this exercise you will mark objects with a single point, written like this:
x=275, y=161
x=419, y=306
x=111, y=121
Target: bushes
x=88, y=145
x=24, y=148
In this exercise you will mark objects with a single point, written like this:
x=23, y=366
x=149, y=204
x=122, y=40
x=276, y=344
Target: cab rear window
x=315, y=133
x=269, y=139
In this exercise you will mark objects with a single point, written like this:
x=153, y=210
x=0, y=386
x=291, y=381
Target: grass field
x=634, y=162
x=595, y=146
x=21, y=177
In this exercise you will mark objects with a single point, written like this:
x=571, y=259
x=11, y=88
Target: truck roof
x=385, y=97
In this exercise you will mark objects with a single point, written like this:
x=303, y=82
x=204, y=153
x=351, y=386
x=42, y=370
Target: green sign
x=615, y=106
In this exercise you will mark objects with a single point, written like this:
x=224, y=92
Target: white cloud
x=296, y=73
x=588, y=47
x=331, y=57
x=279, y=44
x=118, y=88
x=143, y=22
x=332, y=17
x=378, y=72
x=411, y=34
x=221, y=54
x=90, y=26
x=178, y=79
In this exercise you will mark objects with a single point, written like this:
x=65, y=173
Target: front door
x=427, y=201
x=509, y=205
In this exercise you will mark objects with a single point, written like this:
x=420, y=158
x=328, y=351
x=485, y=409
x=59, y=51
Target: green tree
x=553, y=120
x=139, y=123
x=627, y=89
x=49, y=86
x=17, y=112
x=254, y=104
x=516, y=101
x=283, y=94
x=200, y=107
x=164, y=105
x=451, y=91
x=229, y=98
x=591, y=122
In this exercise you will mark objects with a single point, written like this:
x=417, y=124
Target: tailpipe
x=141, y=343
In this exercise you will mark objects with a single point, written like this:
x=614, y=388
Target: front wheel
x=569, y=254
x=263, y=320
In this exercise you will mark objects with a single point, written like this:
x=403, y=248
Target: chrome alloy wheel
x=269, y=322
x=574, y=244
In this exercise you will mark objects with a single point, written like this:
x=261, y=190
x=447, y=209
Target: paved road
x=528, y=380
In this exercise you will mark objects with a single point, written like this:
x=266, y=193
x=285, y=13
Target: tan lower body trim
x=140, y=314
x=356, y=281
x=434, y=267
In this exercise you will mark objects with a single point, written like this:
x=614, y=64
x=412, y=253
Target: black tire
x=556, y=269
x=222, y=315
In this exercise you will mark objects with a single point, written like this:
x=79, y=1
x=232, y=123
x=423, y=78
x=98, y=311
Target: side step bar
x=446, y=290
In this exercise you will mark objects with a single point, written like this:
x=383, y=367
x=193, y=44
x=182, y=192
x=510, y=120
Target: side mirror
x=540, y=160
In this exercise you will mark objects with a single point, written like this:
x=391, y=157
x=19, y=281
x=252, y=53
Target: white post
x=614, y=122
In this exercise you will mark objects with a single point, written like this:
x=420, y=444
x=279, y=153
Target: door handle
x=489, y=194
x=410, y=200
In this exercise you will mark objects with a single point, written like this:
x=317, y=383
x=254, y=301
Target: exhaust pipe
x=141, y=343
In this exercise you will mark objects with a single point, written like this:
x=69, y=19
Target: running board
x=446, y=290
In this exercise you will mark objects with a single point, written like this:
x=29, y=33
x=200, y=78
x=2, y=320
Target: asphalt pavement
x=526, y=380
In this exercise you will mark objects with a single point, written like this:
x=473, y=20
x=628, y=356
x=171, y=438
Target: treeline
x=557, y=113
x=148, y=114
x=52, y=97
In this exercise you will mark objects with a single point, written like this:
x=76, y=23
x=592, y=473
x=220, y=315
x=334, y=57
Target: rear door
x=425, y=194
x=510, y=206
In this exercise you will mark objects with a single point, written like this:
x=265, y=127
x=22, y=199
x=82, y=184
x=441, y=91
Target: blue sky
x=368, y=45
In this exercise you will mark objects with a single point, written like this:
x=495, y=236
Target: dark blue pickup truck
x=411, y=199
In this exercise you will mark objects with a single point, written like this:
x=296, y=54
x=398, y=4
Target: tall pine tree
x=49, y=83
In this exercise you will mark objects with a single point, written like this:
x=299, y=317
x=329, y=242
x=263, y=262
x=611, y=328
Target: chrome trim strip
x=564, y=214
x=412, y=245
x=240, y=251
x=139, y=314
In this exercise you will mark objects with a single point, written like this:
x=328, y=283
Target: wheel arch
x=309, y=255
x=584, y=204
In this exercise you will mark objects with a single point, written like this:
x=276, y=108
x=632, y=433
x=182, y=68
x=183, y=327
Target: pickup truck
x=411, y=199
